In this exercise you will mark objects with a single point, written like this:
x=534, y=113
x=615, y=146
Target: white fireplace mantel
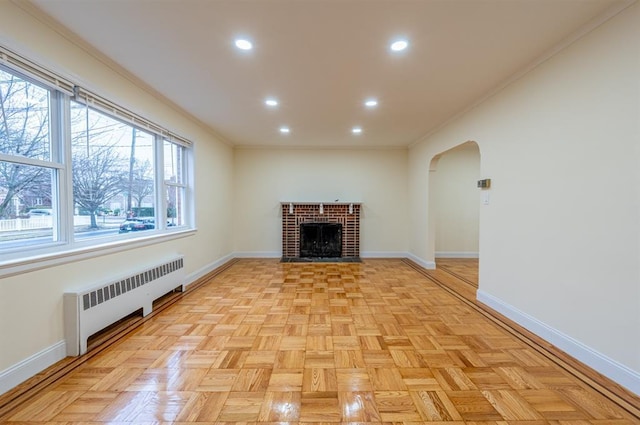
x=319, y=202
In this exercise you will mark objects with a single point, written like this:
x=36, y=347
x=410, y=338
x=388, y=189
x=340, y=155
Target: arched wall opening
x=454, y=202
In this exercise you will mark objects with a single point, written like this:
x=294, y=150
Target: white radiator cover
x=90, y=309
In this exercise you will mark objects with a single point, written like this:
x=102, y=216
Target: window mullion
x=161, y=191
x=56, y=127
x=66, y=206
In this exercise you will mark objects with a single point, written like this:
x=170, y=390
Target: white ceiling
x=323, y=58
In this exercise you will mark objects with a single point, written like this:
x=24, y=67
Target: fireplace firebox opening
x=320, y=240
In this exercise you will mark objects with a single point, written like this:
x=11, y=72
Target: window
x=28, y=172
x=78, y=171
x=113, y=175
x=25, y=117
x=174, y=181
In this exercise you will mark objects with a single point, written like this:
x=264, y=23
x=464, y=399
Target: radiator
x=93, y=308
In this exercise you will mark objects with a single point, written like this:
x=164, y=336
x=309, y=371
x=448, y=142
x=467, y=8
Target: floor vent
x=91, y=309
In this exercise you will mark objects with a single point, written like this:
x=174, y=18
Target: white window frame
x=64, y=248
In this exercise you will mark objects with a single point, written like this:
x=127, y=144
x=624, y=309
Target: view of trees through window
x=112, y=172
x=24, y=132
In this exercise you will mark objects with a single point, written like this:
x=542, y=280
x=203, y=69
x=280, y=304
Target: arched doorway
x=454, y=210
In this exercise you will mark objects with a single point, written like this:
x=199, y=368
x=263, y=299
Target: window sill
x=29, y=264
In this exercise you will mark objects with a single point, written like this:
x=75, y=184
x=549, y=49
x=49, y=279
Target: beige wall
x=265, y=177
x=559, y=241
x=456, y=201
x=31, y=318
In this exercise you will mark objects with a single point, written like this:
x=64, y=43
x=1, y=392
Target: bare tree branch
x=96, y=180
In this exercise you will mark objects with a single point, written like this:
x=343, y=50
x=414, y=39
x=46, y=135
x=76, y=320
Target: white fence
x=37, y=222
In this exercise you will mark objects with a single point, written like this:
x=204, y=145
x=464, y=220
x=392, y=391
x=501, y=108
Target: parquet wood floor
x=465, y=269
x=319, y=343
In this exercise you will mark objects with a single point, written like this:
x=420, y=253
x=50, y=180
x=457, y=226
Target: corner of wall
x=429, y=265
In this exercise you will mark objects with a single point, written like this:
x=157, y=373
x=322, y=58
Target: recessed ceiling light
x=370, y=103
x=271, y=102
x=356, y=130
x=285, y=130
x=243, y=44
x=399, y=45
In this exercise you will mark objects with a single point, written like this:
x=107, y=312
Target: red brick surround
x=346, y=214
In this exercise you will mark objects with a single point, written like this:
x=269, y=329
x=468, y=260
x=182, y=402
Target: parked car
x=39, y=212
x=134, y=225
x=149, y=223
x=140, y=223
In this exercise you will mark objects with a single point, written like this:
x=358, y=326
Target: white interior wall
x=559, y=240
x=31, y=320
x=456, y=202
x=266, y=177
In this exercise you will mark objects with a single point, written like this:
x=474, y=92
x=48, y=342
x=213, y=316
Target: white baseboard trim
x=32, y=365
x=384, y=254
x=610, y=368
x=430, y=265
x=257, y=254
x=37, y=362
x=203, y=271
x=457, y=254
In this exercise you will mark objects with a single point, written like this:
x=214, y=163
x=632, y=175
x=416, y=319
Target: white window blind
x=21, y=65
x=100, y=103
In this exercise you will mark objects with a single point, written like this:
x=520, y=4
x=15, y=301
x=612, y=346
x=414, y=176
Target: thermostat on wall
x=484, y=184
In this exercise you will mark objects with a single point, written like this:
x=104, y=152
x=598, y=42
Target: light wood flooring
x=302, y=343
x=465, y=269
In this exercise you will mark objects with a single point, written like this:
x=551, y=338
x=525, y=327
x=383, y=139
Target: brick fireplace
x=295, y=214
